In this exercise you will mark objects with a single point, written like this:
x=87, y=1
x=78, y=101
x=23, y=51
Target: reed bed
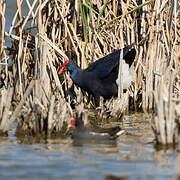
x=52, y=31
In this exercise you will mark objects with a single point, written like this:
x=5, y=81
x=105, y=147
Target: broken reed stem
x=18, y=108
x=54, y=46
x=55, y=75
x=50, y=114
x=165, y=121
x=43, y=76
x=2, y=26
x=6, y=107
x=170, y=110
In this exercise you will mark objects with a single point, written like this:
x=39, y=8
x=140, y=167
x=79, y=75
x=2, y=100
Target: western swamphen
x=101, y=77
x=95, y=134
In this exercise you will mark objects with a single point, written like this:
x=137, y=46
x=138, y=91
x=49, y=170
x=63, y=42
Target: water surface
x=133, y=156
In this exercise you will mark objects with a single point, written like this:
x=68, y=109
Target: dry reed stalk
x=8, y=122
x=61, y=36
x=43, y=75
x=61, y=13
x=41, y=121
x=2, y=26
x=6, y=106
x=3, y=56
x=166, y=127
x=165, y=72
x=50, y=113
x=5, y=94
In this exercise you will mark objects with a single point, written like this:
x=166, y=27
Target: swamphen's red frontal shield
x=63, y=67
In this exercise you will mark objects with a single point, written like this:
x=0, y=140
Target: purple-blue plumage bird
x=101, y=77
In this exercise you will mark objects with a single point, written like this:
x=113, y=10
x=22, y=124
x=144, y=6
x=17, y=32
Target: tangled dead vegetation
x=83, y=31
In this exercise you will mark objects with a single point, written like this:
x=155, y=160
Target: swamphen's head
x=77, y=123
x=68, y=66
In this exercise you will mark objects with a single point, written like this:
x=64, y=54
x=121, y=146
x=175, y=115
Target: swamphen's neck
x=73, y=68
x=76, y=74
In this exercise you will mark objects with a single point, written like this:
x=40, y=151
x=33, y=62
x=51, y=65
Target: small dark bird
x=95, y=134
x=101, y=77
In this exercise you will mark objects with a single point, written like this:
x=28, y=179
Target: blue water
x=60, y=159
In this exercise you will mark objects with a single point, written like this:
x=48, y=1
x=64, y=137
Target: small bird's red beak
x=63, y=67
x=72, y=124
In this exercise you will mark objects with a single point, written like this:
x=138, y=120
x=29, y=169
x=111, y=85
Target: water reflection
x=132, y=156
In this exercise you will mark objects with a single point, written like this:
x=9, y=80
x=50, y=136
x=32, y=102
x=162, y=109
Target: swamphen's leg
x=97, y=100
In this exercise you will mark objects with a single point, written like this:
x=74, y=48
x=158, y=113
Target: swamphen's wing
x=105, y=65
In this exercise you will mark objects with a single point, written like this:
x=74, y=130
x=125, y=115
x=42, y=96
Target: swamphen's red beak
x=63, y=67
x=72, y=124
